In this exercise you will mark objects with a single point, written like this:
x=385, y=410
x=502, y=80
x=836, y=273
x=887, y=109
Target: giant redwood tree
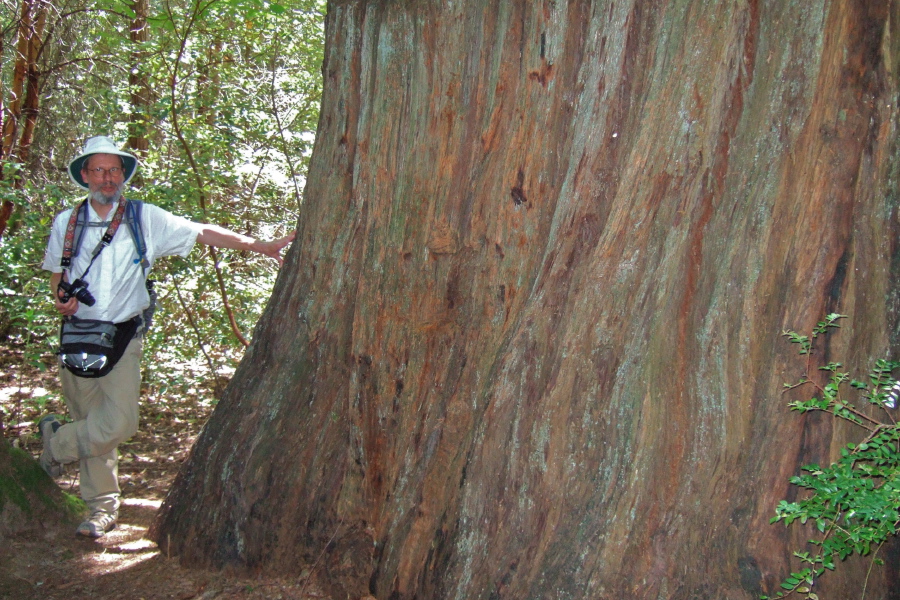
x=528, y=342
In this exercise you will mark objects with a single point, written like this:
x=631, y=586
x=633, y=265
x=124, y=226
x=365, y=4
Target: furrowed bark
x=528, y=341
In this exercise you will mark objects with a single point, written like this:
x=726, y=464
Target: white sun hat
x=100, y=144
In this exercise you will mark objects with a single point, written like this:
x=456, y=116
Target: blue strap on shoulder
x=137, y=233
x=132, y=217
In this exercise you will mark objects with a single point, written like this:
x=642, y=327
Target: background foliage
x=220, y=99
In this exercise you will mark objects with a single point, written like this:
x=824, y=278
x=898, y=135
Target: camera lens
x=78, y=289
x=85, y=296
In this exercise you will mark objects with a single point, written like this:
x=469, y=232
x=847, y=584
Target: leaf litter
x=50, y=562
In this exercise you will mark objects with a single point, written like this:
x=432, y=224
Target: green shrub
x=854, y=502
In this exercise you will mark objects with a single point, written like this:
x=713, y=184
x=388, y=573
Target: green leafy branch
x=854, y=503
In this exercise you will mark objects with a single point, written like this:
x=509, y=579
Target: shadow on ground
x=48, y=562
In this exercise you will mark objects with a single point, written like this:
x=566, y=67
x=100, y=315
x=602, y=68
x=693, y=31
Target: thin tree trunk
x=141, y=93
x=20, y=118
x=13, y=113
x=528, y=342
x=31, y=106
x=17, y=86
x=195, y=15
x=210, y=82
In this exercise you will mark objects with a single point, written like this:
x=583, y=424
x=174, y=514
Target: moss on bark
x=28, y=496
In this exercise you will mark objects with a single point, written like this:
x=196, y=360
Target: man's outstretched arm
x=213, y=235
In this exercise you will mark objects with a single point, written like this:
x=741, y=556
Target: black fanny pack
x=90, y=348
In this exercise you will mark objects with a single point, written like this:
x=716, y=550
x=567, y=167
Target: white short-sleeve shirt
x=116, y=279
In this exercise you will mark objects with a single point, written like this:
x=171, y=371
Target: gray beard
x=102, y=198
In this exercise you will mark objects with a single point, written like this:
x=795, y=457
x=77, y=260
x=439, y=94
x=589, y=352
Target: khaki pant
x=104, y=413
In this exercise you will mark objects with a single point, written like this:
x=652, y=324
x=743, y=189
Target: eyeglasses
x=99, y=171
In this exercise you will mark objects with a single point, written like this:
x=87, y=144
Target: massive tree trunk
x=528, y=341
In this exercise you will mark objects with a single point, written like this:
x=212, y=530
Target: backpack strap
x=129, y=210
x=137, y=233
x=70, y=249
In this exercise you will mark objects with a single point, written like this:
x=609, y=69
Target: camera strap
x=69, y=244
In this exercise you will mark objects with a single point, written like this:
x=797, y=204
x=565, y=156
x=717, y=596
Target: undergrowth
x=853, y=503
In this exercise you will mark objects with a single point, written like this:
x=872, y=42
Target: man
x=104, y=410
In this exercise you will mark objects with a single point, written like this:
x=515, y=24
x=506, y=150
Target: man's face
x=105, y=177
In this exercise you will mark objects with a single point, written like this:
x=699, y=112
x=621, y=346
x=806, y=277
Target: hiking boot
x=97, y=525
x=47, y=428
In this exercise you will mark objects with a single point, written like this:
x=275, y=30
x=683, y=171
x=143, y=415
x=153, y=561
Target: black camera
x=78, y=289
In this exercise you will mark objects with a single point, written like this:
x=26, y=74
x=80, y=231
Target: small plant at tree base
x=854, y=502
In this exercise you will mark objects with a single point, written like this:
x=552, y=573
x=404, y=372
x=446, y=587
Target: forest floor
x=52, y=563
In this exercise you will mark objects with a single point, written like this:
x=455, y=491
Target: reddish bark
x=20, y=116
x=527, y=344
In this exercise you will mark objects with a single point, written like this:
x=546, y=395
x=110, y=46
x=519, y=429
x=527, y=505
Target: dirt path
x=122, y=565
x=53, y=563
